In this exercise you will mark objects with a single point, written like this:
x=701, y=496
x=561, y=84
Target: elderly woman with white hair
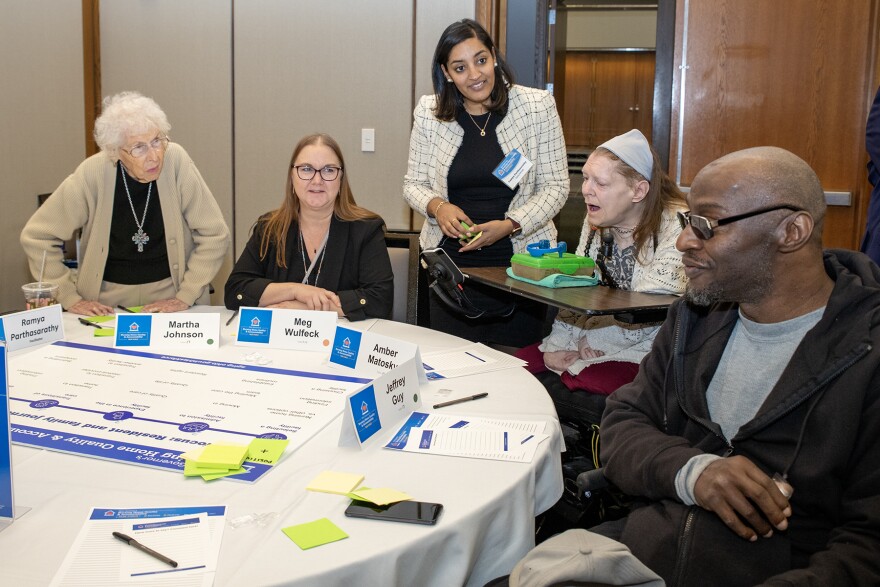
x=152, y=233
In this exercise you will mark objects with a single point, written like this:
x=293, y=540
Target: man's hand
x=745, y=499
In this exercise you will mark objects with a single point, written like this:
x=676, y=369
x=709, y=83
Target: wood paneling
x=789, y=73
x=606, y=94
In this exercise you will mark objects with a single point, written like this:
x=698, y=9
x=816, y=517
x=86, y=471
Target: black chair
x=410, y=292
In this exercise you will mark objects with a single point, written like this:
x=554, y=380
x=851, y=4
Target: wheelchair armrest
x=590, y=481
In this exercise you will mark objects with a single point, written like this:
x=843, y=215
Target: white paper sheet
x=467, y=360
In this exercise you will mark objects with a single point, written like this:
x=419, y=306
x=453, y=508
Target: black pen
x=132, y=542
x=452, y=402
x=231, y=318
x=121, y=307
x=92, y=324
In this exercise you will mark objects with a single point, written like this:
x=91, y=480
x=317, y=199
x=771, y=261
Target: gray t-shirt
x=753, y=360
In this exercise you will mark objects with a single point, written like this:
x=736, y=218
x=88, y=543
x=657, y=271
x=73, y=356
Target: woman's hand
x=449, y=218
x=560, y=360
x=315, y=298
x=165, y=306
x=90, y=308
x=493, y=231
x=587, y=352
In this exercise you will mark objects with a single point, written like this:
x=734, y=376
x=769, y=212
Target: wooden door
x=797, y=74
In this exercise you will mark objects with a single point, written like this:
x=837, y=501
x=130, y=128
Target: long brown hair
x=663, y=194
x=276, y=224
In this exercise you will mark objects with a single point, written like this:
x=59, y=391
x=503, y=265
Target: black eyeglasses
x=703, y=226
x=307, y=172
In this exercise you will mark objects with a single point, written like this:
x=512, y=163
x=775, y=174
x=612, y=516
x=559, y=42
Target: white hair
x=125, y=114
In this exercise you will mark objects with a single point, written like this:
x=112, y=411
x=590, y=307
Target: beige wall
x=41, y=120
x=601, y=29
x=241, y=82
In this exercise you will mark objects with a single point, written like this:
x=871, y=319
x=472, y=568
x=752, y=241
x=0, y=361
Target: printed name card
x=389, y=399
x=512, y=169
x=373, y=353
x=32, y=327
x=193, y=331
x=302, y=330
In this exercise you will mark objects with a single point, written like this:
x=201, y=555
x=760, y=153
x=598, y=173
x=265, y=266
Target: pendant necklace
x=140, y=238
x=483, y=129
x=307, y=268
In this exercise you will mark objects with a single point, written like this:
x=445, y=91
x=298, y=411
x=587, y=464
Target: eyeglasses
x=307, y=172
x=141, y=149
x=703, y=226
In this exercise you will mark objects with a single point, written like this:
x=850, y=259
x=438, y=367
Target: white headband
x=633, y=149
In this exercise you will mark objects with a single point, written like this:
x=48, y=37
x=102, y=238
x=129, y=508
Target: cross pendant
x=140, y=238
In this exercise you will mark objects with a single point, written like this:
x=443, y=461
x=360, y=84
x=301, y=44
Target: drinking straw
x=42, y=267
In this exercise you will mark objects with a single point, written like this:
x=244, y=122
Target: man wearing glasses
x=749, y=437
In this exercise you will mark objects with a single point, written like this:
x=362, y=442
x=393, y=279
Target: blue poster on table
x=7, y=511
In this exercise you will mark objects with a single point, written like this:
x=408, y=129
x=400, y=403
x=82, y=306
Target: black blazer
x=356, y=267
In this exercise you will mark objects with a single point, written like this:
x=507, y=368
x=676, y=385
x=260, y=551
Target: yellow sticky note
x=106, y=331
x=380, y=495
x=99, y=319
x=193, y=469
x=334, y=482
x=315, y=533
x=230, y=456
x=266, y=450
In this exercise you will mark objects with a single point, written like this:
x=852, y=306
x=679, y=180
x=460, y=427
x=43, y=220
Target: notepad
x=379, y=496
x=315, y=533
x=230, y=456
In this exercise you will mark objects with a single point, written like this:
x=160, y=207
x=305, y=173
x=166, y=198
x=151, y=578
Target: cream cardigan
x=531, y=126
x=196, y=235
x=661, y=272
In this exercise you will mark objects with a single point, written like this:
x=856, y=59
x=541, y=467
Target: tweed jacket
x=660, y=271
x=531, y=126
x=196, y=235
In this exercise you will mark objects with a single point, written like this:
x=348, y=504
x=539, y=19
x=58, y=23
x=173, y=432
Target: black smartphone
x=441, y=267
x=412, y=512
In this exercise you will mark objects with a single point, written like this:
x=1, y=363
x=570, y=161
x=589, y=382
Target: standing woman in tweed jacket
x=152, y=233
x=461, y=133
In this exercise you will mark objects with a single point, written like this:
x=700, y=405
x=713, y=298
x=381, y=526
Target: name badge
x=389, y=399
x=302, y=330
x=32, y=327
x=512, y=169
x=193, y=331
x=373, y=353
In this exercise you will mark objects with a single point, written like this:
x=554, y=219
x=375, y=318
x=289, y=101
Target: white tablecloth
x=487, y=523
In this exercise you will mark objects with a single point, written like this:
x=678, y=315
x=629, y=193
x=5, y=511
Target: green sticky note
x=212, y=476
x=99, y=319
x=106, y=331
x=230, y=456
x=334, y=482
x=266, y=450
x=379, y=496
x=193, y=469
x=315, y=533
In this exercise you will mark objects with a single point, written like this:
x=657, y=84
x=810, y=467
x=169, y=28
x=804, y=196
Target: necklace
x=483, y=129
x=623, y=231
x=307, y=268
x=140, y=238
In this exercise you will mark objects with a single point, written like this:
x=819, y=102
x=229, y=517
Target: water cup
x=39, y=295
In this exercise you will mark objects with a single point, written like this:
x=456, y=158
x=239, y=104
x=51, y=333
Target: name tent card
x=389, y=399
x=373, y=353
x=32, y=327
x=7, y=511
x=192, y=331
x=302, y=330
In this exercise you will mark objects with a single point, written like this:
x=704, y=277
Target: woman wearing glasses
x=630, y=229
x=319, y=250
x=476, y=117
x=152, y=233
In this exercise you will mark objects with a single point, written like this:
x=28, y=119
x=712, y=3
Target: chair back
x=403, y=249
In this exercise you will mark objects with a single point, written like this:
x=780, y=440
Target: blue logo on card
x=133, y=330
x=365, y=413
x=345, y=347
x=255, y=326
x=507, y=165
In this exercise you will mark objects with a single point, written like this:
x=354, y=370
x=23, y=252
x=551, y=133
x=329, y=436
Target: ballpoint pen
x=452, y=402
x=92, y=324
x=121, y=307
x=231, y=318
x=132, y=542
